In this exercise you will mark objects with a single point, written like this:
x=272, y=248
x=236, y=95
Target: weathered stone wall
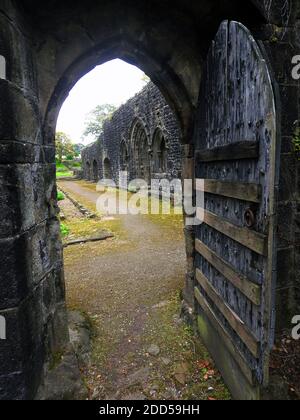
x=281, y=40
x=32, y=297
x=47, y=49
x=148, y=108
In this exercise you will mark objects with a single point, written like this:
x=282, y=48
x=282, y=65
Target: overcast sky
x=112, y=83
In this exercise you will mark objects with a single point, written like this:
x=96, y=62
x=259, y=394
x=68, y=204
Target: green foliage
x=296, y=141
x=95, y=120
x=60, y=167
x=77, y=165
x=62, y=171
x=64, y=230
x=78, y=148
x=64, y=147
x=60, y=196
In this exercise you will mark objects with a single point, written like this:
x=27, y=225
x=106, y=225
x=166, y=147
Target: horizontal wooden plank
x=253, y=240
x=225, y=337
x=240, y=191
x=249, y=289
x=232, y=151
x=234, y=321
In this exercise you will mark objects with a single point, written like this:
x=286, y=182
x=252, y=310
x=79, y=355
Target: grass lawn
x=62, y=171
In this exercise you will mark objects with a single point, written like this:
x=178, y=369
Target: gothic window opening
x=95, y=171
x=107, y=169
x=160, y=153
x=124, y=158
x=88, y=170
x=141, y=152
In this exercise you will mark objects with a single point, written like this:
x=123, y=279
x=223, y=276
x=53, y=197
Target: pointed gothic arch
x=160, y=152
x=141, y=151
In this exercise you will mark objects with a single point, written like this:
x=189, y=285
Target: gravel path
x=130, y=288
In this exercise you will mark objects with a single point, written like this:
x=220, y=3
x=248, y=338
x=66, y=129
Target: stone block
x=285, y=229
x=13, y=152
x=14, y=277
x=17, y=50
x=288, y=178
x=13, y=387
x=19, y=116
x=11, y=354
x=45, y=249
x=28, y=195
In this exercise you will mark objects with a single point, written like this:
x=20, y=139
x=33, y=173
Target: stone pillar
x=282, y=43
x=188, y=173
x=31, y=280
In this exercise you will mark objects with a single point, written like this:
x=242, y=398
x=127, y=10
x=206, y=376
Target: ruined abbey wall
x=44, y=50
x=132, y=139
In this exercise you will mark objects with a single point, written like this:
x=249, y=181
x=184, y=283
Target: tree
x=78, y=149
x=95, y=120
x=64, y=146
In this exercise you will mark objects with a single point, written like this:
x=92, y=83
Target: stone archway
x=46, y=50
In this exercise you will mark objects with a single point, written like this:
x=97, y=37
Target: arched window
x=160, y=154
x=107, y=169
x=124, y=157
x=141, y=152
x=88, y=171
x=95, y=171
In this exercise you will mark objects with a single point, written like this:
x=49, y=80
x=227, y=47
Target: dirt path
x=130, y=287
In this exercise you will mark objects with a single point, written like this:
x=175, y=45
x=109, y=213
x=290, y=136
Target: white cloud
x=112, y=83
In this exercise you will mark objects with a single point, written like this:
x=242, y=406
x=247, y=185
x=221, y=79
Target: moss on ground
x=129, y=316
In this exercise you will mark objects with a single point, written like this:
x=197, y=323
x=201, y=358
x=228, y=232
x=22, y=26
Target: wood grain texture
x=250, y=290
x=225, y=337
x=237, y=112
x=232, y=151
x=235, y=322
x=249, y=238
x=241, y=191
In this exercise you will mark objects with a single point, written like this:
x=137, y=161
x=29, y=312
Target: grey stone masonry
x=143, y=133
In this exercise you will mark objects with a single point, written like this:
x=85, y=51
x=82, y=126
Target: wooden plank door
x=235, y=140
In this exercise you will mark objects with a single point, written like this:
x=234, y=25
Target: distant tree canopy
x=64, y=147
x=78, y=148
x=95, y=120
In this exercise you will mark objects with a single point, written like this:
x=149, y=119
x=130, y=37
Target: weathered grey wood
x=250, y=290
x=225, y=337
x=235, y=322
x=241, y=191
x=232, y=151
x=249, y=238
x=237, y=103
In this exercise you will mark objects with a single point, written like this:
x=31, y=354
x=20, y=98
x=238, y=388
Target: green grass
x=62, y=171
x=64, y=230
x=64, y=174
x=60, y=196
x=76, y=165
